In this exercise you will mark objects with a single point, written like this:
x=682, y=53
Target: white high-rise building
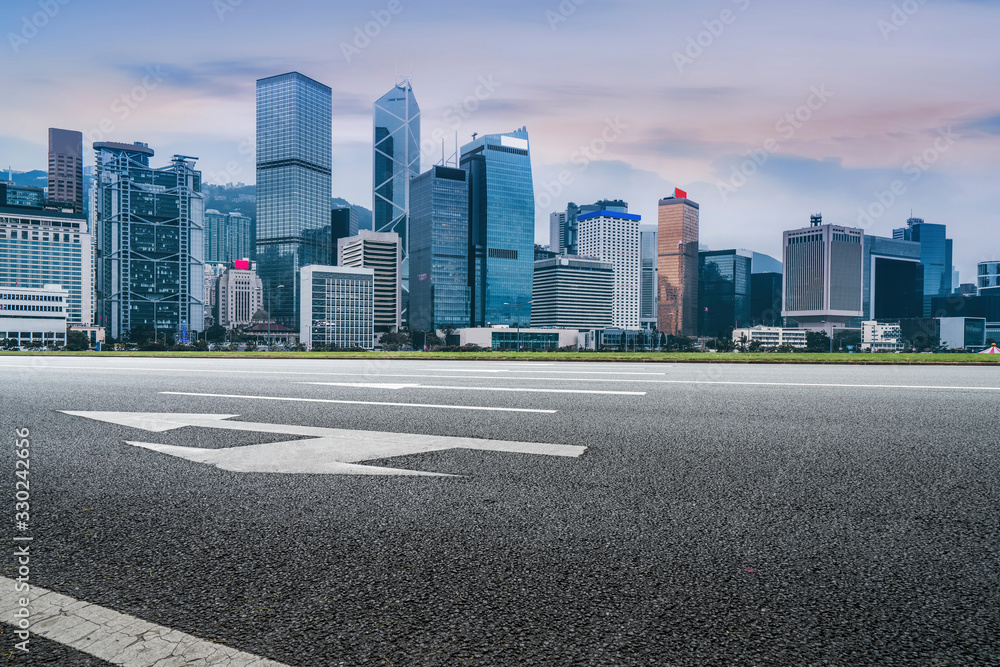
x=613, y=237
x=557, y=232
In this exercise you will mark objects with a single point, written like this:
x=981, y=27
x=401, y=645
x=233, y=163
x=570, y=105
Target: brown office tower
x=677, y=263
x=66, y=167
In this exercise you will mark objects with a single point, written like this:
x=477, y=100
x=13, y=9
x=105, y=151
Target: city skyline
x=682, y=106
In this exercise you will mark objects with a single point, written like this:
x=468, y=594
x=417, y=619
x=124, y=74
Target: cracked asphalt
x=733, y=515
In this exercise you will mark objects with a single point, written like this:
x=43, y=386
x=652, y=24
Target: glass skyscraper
x=294, y=181
x=724, y=285
x=935, y=255
x=439, y=259
x=648, y=249
x=501, y=227
x=150, y=226
x=396, y=161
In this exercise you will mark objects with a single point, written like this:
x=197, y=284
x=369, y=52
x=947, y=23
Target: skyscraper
x=893, y=286
x=724, y=283
x=501, y=226
x=614, y=238
x=677, y=266
x=823, y=274
x=439, y=247
x=396, y=161
x=228, y=237
x=573, y=292
x=935, y=255
x=150, y=226
x=294, y=169
x=66, y=167
x=557, y=232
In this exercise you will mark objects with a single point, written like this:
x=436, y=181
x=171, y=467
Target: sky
x=764, y=112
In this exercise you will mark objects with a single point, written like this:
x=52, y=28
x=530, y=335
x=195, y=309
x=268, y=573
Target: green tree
x=77, y=341
x=216, y=333
x=817, y=341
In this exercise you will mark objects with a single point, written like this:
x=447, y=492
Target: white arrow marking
x=328, y=451
x=377, y=385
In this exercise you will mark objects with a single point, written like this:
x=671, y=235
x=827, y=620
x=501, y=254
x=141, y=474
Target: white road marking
x=328, y=451
x=533, y=370
x=115, y=637
x=331, y=400
x=380, y=385
x=827, y=384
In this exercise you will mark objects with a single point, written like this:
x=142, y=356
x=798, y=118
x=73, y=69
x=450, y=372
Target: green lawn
x=672, y=357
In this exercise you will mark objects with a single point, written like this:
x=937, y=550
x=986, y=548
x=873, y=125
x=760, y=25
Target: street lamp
x=518, y=305
x=270, y=290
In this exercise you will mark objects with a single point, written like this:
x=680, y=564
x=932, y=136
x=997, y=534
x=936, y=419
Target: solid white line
x=330, y=400
x=115, y=637
x=378, y=385
x=819, y=384
x=533, y=370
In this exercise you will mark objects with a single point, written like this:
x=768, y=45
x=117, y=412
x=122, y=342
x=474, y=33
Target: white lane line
x=115, y=637
x=330, y=400
x=380, y=385
x=533, y=370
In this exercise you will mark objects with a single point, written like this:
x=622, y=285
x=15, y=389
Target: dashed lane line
x=343, y=402
x=383, y=385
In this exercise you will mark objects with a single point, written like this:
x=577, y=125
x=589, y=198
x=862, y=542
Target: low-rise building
x=337, y=307
x=34, y=316
x=771, y=336
x=881, y=336
x=507, y=338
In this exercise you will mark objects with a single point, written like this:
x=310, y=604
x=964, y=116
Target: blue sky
x=765, y=112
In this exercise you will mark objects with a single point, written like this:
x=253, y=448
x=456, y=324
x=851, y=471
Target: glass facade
x=723, y=291
x=648, y=248
x=514, y=340
x=501, y=227
x=39, y=248
x=677, y=266
x=294, y=169
x=765, y=299
x=396, y=160
x=229, y=237
x=988, y=278
x=935, y=255
x=150, y=243
x=439, y=245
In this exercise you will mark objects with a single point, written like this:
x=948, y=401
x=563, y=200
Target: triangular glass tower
x=397, y=160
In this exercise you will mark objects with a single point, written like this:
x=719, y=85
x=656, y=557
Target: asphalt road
x=720, y=515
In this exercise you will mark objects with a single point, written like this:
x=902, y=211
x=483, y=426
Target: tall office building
x=228, y=237
x=564, y=225
x=381, y=252
x=823, y=274
x=66, y=167
x=294, y=170
x=614, y=238
x=343, y=224
x=724, y=291
x=893, y=282
x=40, y=247
x=573, y=292
x=439, y=244
x=396, y=161
x=150, y=226
x=501, y=226
x=677, y=265
x=935, y=255
x=648, y=248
